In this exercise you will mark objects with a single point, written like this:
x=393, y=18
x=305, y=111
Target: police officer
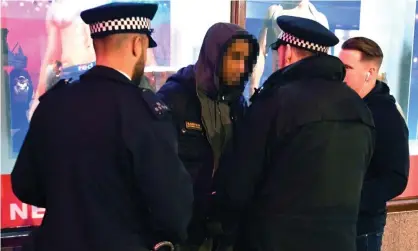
x=298, y=177
x=100, y=154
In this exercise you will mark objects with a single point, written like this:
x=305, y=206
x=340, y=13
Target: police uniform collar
x=305, y=34
x=124, y=74
x=322, y=67
x=315, y=67
x=100, y=71
x=117, y=18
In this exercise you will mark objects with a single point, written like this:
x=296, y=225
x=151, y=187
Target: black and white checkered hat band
x=290, y=39
x=123, y=24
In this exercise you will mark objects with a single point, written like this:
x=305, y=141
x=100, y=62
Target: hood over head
x=215, y=43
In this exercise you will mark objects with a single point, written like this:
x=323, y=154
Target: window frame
x=238, y=12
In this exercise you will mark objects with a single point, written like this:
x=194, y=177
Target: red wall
x=412, y=188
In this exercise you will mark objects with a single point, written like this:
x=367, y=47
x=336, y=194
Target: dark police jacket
x=100, y=156
x=196, y=121
x=298, y=177
x=387, y=174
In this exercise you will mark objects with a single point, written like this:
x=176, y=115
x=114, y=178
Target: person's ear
x=288, y=54
x=373, y=72
x=137, y=49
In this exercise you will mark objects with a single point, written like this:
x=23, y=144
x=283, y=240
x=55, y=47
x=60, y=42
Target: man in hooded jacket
x=206, y=102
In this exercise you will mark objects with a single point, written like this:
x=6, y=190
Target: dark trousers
x=370, y=242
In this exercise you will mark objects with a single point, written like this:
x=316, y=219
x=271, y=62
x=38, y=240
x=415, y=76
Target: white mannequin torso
x=305, y=9
x=73, y=33
x=271, y=31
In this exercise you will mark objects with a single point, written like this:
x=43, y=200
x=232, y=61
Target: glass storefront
x=46, y=39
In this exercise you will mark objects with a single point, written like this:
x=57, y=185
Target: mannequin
x=69, y=42
x=271, y=31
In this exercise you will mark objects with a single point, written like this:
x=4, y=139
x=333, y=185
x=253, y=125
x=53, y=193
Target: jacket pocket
x=193, y=145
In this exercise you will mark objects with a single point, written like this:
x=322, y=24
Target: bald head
x=125, y=52
x=288, y=54
x=302, y=53
x=118, y=42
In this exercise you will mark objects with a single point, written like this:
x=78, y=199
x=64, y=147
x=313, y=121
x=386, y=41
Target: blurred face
x=359, y=73
x=140, y=49
x=235, y=62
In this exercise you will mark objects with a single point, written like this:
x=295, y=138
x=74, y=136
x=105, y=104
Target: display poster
x=44, y=41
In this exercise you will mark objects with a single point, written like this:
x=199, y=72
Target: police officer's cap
x=304, y=33
x=116, y=18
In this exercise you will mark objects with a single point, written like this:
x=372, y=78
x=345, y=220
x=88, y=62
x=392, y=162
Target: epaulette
x=156, y=106
x=60, y=84
x=267, y=87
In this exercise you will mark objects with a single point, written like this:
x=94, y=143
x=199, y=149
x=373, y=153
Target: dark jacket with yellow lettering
x=205, y=117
